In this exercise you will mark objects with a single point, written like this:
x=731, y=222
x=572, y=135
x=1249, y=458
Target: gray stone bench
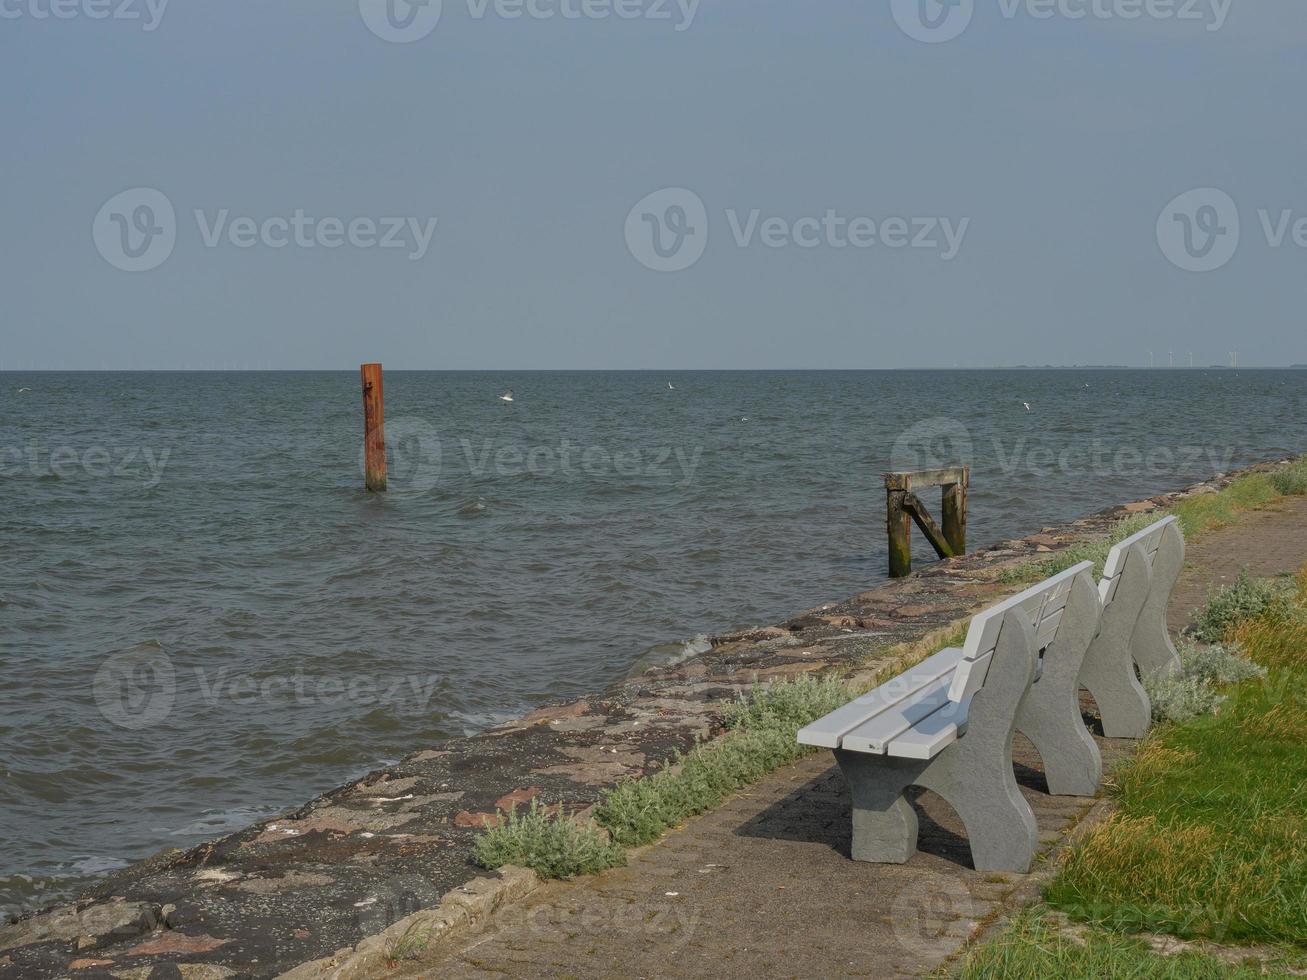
x=947, y=725
x=1138, y=578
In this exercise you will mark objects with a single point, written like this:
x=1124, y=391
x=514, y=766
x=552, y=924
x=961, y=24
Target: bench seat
x=851, y=720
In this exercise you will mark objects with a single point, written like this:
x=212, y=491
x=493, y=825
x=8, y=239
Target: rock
x=175, y=942
x=1141, y=507
x=516, y=798
x=88, y=926
x=466, y=818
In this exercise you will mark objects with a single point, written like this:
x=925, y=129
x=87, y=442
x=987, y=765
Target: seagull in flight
x=1027, y=405
x=507, y=396
x=23, y=391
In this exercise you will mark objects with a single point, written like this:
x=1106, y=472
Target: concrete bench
x=1136, y=587
x=947, y=725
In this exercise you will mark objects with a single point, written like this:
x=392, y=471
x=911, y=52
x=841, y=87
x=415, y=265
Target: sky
x=619, y=184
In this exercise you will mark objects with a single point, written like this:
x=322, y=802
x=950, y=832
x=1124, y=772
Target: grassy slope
x=1210, y=838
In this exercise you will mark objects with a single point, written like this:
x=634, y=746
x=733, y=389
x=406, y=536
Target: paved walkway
x=763, y=887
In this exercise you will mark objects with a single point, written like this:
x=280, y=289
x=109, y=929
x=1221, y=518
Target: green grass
x=1208, y=838
x=550, y=845
x=1199, y=513
x=1034, y=947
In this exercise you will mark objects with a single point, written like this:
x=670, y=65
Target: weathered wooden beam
x=913, y=505
x=914, y=479
x=899, y=525
x=374, y=429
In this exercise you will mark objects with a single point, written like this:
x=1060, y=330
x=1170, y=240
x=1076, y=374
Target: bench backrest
x=1042, y=603
x=1150, y=538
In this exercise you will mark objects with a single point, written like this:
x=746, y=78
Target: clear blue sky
x=1060, y=140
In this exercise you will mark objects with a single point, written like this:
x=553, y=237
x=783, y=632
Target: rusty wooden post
x=954, y=512
x=903, y=507
x=899, y=524
x=374, y=429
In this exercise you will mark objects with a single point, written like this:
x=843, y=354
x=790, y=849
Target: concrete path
x=763, y=886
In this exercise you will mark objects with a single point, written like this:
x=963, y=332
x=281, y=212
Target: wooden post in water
x=903, y=507
x=954, y=512
x=374, y=429
x=898, y=522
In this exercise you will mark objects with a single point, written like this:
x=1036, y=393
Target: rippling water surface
x=204, y=619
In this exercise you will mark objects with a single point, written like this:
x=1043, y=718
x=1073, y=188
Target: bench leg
x=1151, y=643
x=1108, y=672
x=884, y=823
x=975, y=774
x=1050, y=714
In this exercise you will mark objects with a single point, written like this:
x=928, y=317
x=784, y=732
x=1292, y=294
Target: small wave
x=213, y=823
x=472, y=508
x=670, y=654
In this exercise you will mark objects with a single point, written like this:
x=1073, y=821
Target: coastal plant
x=1192, y=690
x=550, y=844
x=788, y=705
x=1246, y=598
x=761, y=737
x=1292, y=480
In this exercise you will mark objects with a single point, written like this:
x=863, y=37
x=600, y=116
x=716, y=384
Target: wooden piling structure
x=903, y=507
x=374, y=429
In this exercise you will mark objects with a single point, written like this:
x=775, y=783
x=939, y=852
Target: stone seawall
x=331, y=888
